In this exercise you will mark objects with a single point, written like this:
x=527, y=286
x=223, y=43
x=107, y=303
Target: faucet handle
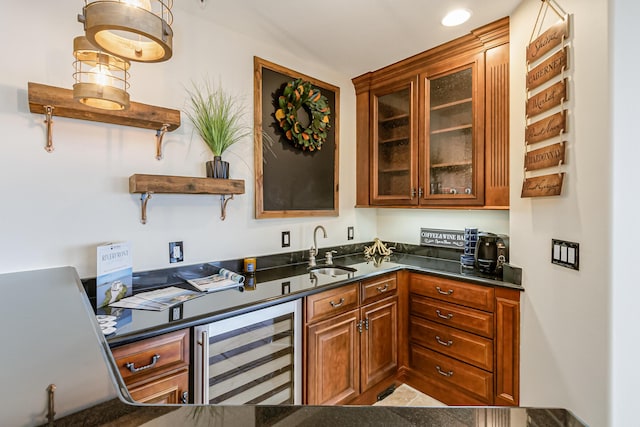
x=328, y=257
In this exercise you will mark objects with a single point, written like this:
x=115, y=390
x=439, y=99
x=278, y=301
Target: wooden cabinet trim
x=507, y=347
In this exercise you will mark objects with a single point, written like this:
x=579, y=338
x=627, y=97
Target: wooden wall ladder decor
x=55, y=101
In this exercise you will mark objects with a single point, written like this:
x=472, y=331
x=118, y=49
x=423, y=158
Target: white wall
x=625, y=347
x=57, y=207
x=565, y=313
x=403, y=225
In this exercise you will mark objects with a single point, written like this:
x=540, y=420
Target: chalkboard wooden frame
x=280, y=190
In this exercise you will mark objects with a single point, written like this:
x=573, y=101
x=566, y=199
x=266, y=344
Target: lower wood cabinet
x=464, y=341
x=352, y=343
x=156, y=370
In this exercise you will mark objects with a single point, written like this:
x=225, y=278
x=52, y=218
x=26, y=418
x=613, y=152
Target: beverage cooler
x=253, y=358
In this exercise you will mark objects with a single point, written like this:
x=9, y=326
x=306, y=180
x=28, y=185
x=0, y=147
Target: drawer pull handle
x=440, y=291
x=382, y=289
x=337, y=304
x=444, y=343
x=130, y=366
x=442, y=316
x=441, y=372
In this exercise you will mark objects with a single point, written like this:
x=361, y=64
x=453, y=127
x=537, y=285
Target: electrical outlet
x=350, y=233
x=176, y=252
x=175, y=313
x=286, y=239
x=565, y=254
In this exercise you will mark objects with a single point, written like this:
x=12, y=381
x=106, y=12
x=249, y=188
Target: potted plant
x=217, y=117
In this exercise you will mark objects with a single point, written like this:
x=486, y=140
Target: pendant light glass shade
x=137, y=30
x=101, y=79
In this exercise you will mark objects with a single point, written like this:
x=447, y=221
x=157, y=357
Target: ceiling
x=351, y=36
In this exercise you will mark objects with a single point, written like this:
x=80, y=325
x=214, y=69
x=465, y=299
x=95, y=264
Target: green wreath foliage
x=302, y=94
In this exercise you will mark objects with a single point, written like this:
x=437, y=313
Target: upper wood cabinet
x=432, y=130
x=394, y=165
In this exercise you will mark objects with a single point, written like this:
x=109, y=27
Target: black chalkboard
x=292, y=182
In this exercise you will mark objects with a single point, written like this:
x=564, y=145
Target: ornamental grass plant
x=216, y=115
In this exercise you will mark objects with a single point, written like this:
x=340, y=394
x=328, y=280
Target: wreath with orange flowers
x=302, y=94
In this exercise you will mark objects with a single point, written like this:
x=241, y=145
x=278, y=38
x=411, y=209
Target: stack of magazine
x=161, y=299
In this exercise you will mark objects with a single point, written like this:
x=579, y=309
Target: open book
x=223, y=279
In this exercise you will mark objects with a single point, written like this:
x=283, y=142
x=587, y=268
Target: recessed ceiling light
x=456, y=17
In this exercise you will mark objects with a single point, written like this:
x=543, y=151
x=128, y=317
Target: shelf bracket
x=159, y=135
x=48, y=119
x=144, y=199
x=223, y=205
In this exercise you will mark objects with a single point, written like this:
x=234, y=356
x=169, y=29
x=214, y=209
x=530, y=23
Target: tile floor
x=406, y=395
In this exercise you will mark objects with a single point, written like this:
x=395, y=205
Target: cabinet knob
x=184, y=397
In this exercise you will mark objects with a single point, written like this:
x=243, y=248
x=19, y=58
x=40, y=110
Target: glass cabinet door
x=452, y=154
x=394, y=166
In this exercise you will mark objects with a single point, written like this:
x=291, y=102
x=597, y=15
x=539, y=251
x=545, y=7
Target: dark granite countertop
x=271, y=286
x=116, y=413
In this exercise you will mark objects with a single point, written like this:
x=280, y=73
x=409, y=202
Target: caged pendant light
x=137, y=30
x=101, y=79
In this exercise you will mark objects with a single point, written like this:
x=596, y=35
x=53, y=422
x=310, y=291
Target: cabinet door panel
x=379, y=341
x=452, y=138
x=333, y=366
x=394, y=142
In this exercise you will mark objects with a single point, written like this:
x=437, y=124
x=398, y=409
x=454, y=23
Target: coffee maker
x=492, y=250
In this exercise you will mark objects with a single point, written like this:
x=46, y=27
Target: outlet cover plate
x=176, y=252
x=286, y=239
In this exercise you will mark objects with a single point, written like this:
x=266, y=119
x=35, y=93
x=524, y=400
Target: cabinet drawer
x=450, y=372
x=331, y=302
x=153, y=355
x=378, y=288
x=461, y=345
x=467, y=294
x=172, y=389
x=457, y=316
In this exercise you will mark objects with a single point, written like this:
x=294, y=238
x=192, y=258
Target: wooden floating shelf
x=55, y=101
x=166, y=184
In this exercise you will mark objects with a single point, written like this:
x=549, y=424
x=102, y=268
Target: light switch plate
x=565, y=254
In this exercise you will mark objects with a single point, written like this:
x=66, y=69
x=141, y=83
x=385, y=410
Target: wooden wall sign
x=546, y=128
x=548, y=69
x=540, y=186
x=548, y=40
x=545, y=157
x=547, y=99
x=547, y=90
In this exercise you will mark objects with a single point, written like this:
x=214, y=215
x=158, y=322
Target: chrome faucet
x=313, y=252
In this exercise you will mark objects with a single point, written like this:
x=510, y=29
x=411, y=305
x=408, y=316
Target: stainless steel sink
x=332, y=270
